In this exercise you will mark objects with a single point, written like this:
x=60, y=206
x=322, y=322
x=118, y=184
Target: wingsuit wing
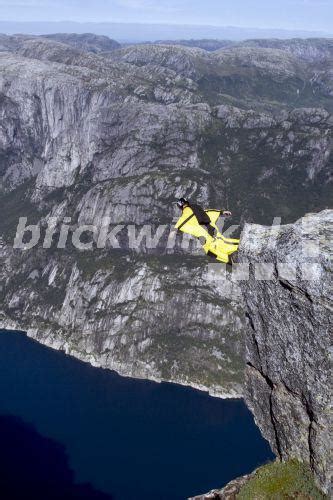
x=188, y=223
x=214, y=216
x=220, y=246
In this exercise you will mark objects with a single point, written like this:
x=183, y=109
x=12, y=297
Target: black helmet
x=182, y=202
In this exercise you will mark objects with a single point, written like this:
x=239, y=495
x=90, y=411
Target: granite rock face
x=288, y=299
x=87, y=134
x=160, y=318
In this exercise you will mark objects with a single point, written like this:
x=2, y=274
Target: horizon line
x=151, y=23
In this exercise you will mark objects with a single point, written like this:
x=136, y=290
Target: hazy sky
x=286, y=14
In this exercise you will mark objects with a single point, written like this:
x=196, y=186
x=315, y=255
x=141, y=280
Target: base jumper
x=202, y=223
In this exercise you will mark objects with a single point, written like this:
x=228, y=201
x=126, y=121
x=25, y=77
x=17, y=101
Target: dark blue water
x=68, y=430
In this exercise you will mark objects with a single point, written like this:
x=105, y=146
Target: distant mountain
x=135, y=32
x=314, y=49
x=207, y=44
x=86, y=41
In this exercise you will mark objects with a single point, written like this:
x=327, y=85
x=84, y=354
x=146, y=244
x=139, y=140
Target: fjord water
x=69, y=430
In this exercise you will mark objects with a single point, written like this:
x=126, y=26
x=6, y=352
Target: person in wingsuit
x=202, y=223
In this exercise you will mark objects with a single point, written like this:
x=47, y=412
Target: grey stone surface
x=288, y=344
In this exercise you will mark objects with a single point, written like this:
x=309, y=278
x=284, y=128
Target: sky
x=282, y=14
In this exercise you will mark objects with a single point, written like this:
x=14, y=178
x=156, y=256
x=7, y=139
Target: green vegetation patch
x=277, y=481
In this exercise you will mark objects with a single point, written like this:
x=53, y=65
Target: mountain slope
x=123, y=135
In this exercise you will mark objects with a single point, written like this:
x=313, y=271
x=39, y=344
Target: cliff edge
x=288, y=299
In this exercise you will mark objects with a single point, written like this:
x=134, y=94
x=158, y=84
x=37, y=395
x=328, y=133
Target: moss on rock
x=277, y=481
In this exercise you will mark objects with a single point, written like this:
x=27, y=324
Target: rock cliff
x=88, y=132
x=160, y=318
x=288, y=299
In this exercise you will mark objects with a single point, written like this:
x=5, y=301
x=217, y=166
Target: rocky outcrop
x=229, y=492
x=288, y=299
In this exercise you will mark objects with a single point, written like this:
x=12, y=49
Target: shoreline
x=118, y=368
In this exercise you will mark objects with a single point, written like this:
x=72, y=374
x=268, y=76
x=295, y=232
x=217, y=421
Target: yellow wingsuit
x=222, y=248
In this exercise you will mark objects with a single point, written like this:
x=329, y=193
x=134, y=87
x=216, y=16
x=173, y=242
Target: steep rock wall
x=289, y=306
